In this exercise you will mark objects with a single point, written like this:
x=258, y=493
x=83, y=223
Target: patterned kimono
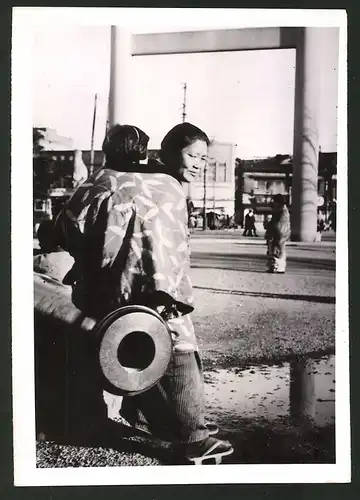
x=278, y=233
x=127, y=232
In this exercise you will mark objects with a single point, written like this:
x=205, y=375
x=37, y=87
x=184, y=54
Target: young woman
x=126, y=228
x=179, y=413
x=278, y=233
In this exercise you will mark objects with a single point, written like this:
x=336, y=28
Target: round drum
x=135, y=349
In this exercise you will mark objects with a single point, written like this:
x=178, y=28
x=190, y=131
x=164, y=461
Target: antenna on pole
x=184, y=103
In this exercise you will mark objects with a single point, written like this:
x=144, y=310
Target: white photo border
x=154, y=20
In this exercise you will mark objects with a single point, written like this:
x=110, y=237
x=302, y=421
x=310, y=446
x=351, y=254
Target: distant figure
x=247, y=224
x=250, y=229
x=320, y=221
x=80, y=170
x=266, y=224
x=332, y=216
x=252, y=224
x=192, y=222
x=278, y=234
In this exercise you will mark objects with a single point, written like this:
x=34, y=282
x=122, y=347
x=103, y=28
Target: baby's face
x=193, y=158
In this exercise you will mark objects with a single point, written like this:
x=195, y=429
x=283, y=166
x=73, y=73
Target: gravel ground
x=261, y=283
x=258, y=442
x=238, y=331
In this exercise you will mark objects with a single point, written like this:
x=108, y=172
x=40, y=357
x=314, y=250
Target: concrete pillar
x=306, y=141
x=120, y=76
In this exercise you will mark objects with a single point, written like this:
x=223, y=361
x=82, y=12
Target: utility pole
x=106, y=131
x=204, y=201
x=184, y=103
x=213, y=179
x=92, y=152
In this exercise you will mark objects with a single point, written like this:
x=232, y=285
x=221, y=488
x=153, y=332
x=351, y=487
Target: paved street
x=239, y=266
x=235, y=254
x=235, y=298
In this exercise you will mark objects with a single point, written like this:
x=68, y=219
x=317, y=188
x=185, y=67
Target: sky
x=246, y=98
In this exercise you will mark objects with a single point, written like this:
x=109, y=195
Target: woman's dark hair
x=125, y=143
x=178, y=138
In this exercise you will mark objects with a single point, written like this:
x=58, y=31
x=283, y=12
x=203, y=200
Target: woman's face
x=193, y=158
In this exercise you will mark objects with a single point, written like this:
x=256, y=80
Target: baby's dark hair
x=125, y=143
x=180, y=136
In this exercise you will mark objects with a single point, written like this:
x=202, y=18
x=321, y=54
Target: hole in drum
x=136, y=351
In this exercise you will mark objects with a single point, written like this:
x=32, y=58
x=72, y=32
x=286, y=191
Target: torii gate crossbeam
x=214, y=41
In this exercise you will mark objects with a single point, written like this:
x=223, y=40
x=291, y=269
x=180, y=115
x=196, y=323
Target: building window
x=54, y=158
x=62, y=158
x=280, y=187
x=221, y=172
x=71, y=158
x=260, y=186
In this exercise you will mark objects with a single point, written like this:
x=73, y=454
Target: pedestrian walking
x=266, y=224
x=127, y=231
x=332, y=216
x=278, y=233
x=192, y=222
x=320, y=225
x=247, y=224
x=252, y=224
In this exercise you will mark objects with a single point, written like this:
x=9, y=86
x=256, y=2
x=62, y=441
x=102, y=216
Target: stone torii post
x=309, y=43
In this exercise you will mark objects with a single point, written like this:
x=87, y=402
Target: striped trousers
x=174, y=409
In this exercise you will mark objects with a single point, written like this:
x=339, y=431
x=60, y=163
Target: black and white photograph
x=179, y=279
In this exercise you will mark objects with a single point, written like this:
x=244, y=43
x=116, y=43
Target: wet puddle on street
x=300, y=388
x=270, y=414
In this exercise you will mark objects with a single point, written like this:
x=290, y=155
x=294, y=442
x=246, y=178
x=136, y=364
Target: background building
x=257, y=180
x=227, y=186
x=215, y=187
x=52, y=141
